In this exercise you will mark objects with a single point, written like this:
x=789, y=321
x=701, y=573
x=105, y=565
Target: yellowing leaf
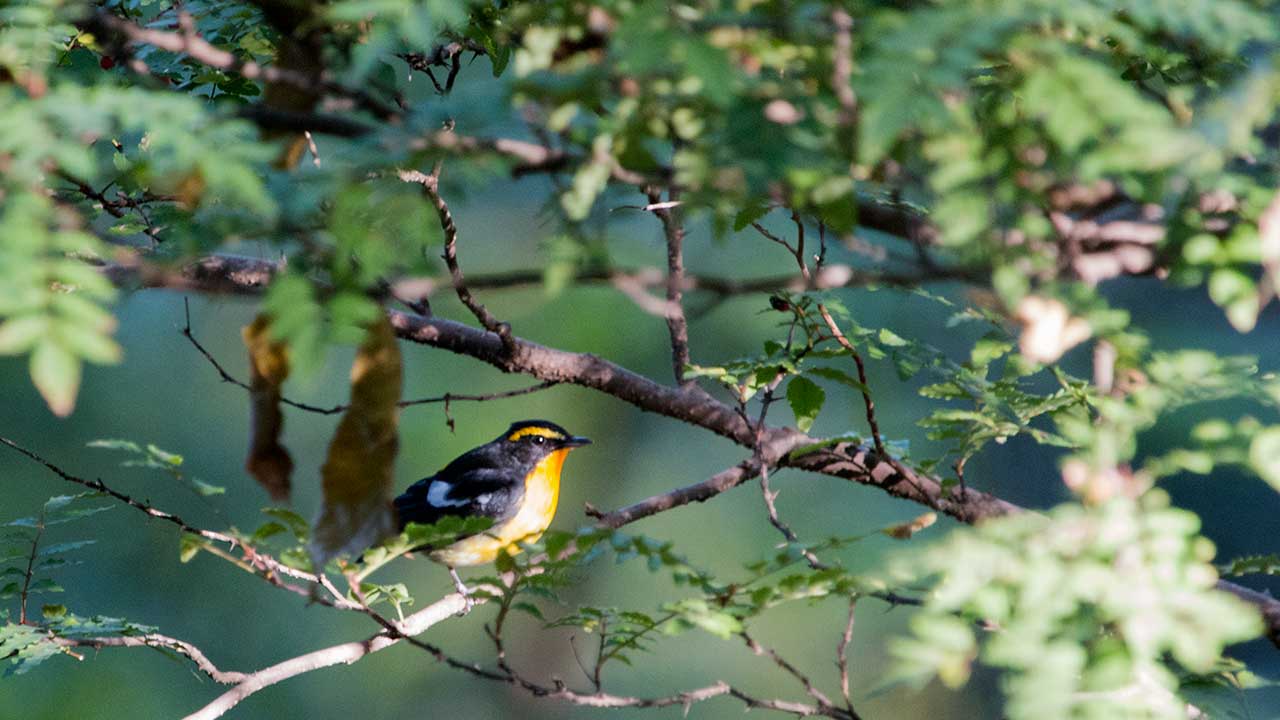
x=357, y=473
x=268, y=462
x=904, y=531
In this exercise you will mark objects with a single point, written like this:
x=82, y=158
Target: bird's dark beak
x=574, y=441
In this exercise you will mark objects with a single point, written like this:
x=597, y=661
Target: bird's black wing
x=470, y=486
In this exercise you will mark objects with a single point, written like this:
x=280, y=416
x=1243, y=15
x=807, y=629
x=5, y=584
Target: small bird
x=514, y=479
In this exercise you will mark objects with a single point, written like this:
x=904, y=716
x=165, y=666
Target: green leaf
x=891, y=339
x=189, y=545
x=748, y=215
x=839, y=376
x=1253, y=565
x=20, y=334
x=56, y=374
x=204, y=489
x=111, y=444
x=806, y=399
x=298, y=525
x=1264, y=455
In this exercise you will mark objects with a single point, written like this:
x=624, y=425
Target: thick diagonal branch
x=786, y=447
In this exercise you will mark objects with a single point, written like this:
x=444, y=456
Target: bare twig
x=862, y=378
x=792, y=670
x=334, y=409
x=673, y=228
x=842, y=658
x=766, y=399
x=698, y=492
x=164, y=642
x=257, y=563
x=30, y=572
x=431, y=188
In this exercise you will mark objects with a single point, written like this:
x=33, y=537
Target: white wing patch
x=438, y=495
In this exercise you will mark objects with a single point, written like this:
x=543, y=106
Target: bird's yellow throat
x=541, y=493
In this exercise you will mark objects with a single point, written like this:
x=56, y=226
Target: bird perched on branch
x=514, y=479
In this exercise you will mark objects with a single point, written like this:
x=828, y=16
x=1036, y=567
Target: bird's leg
x=467, y=602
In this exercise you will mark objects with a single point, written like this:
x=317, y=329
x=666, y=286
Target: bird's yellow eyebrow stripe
x=544, y=432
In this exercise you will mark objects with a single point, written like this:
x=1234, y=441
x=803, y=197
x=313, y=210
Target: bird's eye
x=538, y=439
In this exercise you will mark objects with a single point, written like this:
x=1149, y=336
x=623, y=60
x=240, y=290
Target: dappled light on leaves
x=358, y=472
x=268, y=462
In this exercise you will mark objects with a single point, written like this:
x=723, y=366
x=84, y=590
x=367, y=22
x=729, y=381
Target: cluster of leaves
x=720, y=607
x=1107, y=429
x=1073, y=641
x=151, y=457
x=27, y=561
x=998, y=408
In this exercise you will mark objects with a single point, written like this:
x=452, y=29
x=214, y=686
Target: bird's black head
x=532, y=440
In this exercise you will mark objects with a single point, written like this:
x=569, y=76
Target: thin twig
x=260, y=564
x=431, y=188
x=862, y=378
x=673, y=228
x=31, y=566
x=164, y=642
x=842, y=658
x=334, y=409
x=792, y=670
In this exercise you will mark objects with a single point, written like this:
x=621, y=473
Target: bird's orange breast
x=541, y=493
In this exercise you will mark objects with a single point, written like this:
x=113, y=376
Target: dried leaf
x=269, y=462
x=358, y=471
x=905, y=530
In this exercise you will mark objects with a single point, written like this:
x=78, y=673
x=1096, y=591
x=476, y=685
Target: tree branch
x=260, y=564
x=202, y=51
x=164, y=642
x=689, y=404
x=342, y=654
x=431, y=188
x=783, y=446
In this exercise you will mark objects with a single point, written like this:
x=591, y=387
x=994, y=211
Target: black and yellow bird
x=514, y=479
